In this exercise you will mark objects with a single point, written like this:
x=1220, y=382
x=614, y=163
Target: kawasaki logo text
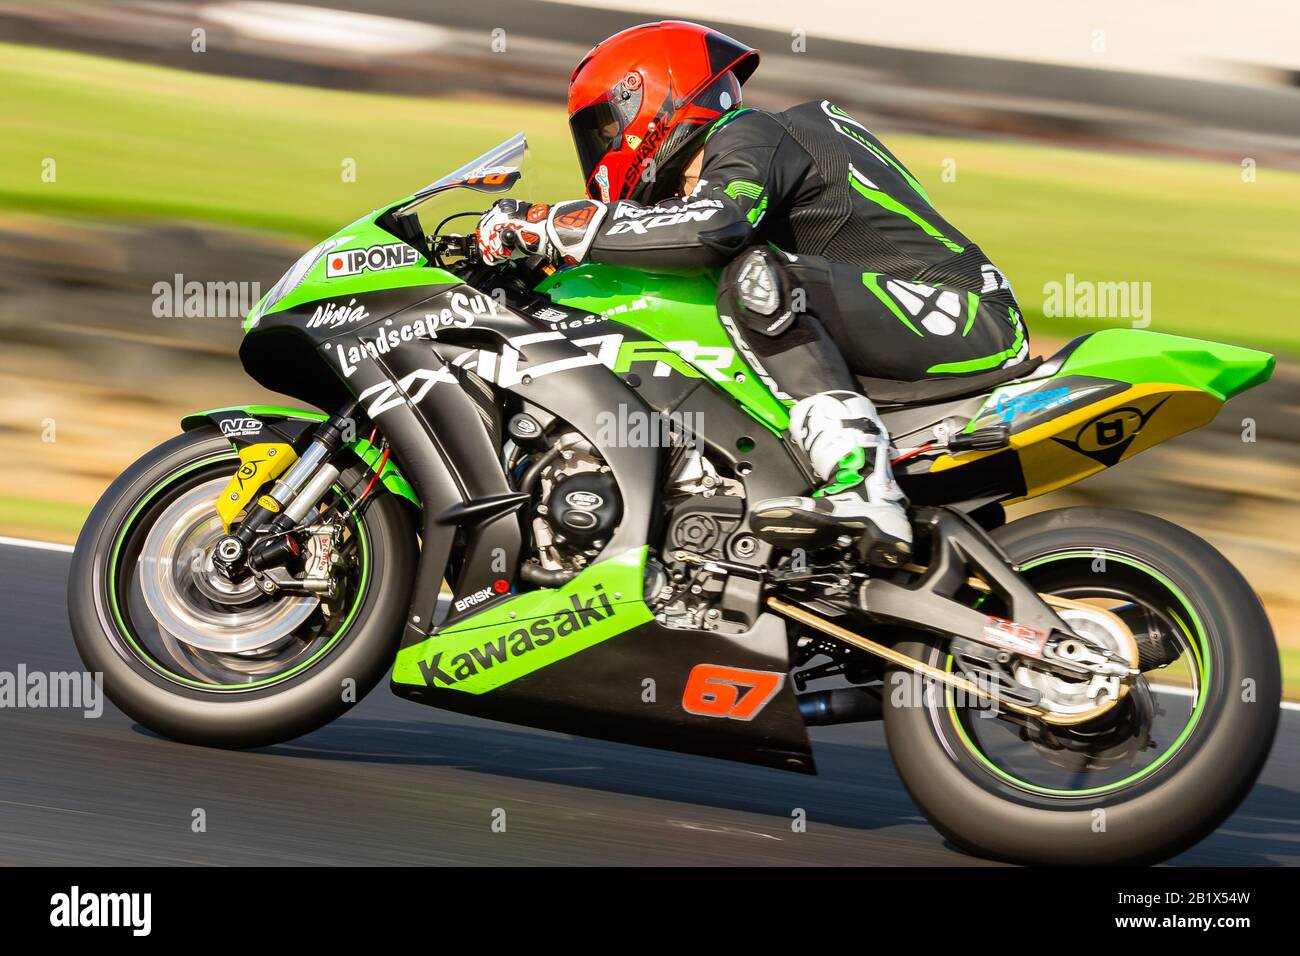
x=519, y=642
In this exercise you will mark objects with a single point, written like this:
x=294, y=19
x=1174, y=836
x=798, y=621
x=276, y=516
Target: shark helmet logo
x=656, y=132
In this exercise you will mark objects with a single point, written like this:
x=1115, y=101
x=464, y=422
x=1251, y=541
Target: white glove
x=515, y=229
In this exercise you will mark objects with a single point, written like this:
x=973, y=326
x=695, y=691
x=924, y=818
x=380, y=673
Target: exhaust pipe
x=843, y=705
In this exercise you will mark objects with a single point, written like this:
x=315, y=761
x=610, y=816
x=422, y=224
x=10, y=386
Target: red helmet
x=645, y=94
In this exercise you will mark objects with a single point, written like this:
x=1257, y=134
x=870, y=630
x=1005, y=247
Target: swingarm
x=1061, y=661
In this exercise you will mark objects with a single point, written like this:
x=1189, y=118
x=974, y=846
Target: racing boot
x=848, y=446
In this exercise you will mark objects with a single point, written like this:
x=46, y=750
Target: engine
x=705, y=512
x=578, y=501
x=583, y=508
x=578, y=506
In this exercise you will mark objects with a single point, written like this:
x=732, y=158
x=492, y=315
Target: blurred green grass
x=139, y=142
x=142, y=142
x=1290, y=672
x=40, y=519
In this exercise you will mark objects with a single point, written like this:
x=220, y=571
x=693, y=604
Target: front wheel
x=1151, y=776
x=198, y=659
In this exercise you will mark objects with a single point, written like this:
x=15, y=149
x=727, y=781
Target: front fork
x=263, y=540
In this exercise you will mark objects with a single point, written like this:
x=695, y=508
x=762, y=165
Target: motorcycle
x=526, y=493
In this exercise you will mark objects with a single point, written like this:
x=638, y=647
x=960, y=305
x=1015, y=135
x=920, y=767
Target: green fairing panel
x=680, y=312
x=362, y=234
x=195, y=419
x=532, y=630
x=1136, y=355
x=392, y=476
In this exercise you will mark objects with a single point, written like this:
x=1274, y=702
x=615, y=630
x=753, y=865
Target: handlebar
x=464, y=247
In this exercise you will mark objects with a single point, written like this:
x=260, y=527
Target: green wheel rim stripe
x=147, y=659
x=1200, y=655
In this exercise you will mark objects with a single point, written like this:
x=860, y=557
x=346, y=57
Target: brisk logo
x=350, y=262
x=470, y=600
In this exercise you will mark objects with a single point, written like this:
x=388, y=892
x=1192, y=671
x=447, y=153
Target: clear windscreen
x=495, y=171
x=453, y=203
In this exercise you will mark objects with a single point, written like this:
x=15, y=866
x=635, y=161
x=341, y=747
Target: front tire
x=1179, y=783
x=248, y=703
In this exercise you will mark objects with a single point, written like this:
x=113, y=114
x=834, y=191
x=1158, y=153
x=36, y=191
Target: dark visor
x=596, y=128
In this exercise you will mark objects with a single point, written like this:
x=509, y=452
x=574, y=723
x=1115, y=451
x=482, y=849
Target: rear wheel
x=201, y=660
x=1152, y=775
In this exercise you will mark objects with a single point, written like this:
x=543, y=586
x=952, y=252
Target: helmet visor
x=596, y=129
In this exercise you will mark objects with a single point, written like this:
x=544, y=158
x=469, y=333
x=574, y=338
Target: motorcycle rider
x=834, y=260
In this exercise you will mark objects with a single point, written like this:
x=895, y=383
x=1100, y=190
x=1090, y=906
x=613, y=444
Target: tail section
x=1104, y=399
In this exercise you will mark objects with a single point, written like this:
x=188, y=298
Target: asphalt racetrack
x=398, y=783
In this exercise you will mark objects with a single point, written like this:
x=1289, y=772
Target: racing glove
x=515, y=228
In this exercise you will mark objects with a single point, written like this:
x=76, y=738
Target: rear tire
x=234, y=717
x=1146, y=817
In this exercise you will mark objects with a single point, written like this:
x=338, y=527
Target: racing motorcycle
x=526, y=493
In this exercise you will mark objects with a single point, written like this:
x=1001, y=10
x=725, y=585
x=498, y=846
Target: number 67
x=713, y=690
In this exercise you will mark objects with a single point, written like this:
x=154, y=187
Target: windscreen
x=509, y=154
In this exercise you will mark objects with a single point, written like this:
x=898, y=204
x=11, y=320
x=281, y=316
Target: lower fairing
x=632, y=689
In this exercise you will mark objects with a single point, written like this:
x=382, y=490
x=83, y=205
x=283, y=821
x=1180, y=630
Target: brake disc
x=194, y=603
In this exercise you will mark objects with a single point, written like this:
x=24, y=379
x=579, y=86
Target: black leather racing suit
x=865, y=257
